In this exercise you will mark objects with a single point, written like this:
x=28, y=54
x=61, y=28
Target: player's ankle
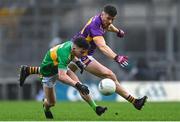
x=46, y=104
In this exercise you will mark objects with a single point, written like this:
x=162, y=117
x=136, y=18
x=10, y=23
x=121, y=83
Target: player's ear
x=73, y=47
x=102, y=14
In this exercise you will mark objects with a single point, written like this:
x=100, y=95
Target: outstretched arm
x=106, y=50
x=112, y=28
x=120, y=32
x=64, y=77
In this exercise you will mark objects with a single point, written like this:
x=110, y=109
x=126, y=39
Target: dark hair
x=81, y=42
x=111, y=10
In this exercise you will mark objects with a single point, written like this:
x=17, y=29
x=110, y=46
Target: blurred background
x=28, y=28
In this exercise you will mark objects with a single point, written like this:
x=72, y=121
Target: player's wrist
x=117, y=31
x=120, y=33
x=82, y=88
x=116, y=57
x=77, y=84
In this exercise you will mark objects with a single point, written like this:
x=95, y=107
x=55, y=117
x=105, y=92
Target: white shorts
x=49, y=82
x=90, y=57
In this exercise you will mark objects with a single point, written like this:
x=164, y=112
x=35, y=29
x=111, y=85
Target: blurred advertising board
x=156, y=91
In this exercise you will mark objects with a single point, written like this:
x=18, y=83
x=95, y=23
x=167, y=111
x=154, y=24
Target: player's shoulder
x=96, y=20
x=65, y=47
x=68, y=42
x=65, y=44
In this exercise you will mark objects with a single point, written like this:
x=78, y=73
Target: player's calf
x=25, y=71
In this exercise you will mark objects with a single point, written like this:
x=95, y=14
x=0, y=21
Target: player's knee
x=110, y=74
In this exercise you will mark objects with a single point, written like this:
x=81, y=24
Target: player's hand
x=122, y=60
x=120, y=34
x=80, y=65
x=82, y=88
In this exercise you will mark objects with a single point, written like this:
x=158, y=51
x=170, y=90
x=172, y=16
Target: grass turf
x=80, y=111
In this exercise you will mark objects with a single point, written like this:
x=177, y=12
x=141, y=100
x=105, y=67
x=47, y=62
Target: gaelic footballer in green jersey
x=59, y=57
x=55, y=67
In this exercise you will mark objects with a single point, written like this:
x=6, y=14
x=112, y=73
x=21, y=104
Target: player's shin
x=91, y=102
x=98, y=109
x=121, y=91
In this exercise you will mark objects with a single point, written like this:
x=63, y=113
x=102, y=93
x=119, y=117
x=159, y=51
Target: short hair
x=111, y=10
x=81, y=42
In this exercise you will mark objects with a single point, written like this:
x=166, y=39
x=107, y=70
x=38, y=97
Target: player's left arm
x=106, y=50
x=120, y=33
x=112, y=28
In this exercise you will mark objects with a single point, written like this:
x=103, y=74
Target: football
x=107, y=86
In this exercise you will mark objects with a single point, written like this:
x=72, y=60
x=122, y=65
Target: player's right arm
x=62, y=75
x=65, y=78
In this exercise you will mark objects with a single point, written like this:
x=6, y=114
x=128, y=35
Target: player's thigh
x=99, y=70
x=72, y=75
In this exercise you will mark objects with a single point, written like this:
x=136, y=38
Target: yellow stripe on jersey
x=88, y=23
x=88, y=38
x=53, y=53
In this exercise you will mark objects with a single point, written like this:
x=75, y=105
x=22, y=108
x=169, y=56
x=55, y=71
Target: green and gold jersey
x=56, y=58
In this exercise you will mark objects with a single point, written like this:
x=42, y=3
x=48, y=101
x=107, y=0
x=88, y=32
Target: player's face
x=107, y=19
x=79, y=52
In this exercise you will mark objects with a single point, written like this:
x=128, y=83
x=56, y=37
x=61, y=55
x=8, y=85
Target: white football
x=107, y=86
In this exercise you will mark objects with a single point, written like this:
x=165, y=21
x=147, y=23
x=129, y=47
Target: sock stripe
x=30, y=70
x=34, y=70
x=39, y=69
x=133, y=100
x=130, y=99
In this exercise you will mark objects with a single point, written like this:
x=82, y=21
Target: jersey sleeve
x=95, y=30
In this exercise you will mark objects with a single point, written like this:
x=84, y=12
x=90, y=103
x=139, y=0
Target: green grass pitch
x=80, y=111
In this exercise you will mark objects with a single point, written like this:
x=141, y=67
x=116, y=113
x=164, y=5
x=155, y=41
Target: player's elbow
x=62, y=77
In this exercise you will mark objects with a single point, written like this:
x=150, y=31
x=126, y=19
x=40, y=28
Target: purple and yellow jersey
x=92, y=29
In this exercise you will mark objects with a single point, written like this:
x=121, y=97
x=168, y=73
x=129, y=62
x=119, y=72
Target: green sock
x=92, y=104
